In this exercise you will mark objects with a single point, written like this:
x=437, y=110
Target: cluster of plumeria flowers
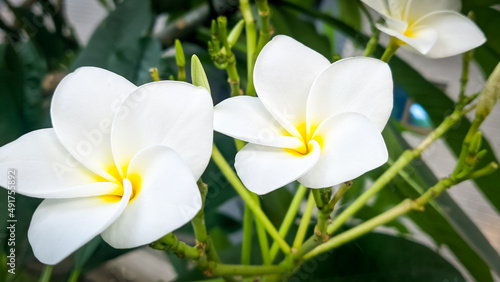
x=122, y=161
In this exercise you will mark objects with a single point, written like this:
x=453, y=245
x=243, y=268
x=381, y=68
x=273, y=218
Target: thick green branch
x=251, y=36
x=246, y=248
x=246, y=270
x=170, y=242
x=265, y=31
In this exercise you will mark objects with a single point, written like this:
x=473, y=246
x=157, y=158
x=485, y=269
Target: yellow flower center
x=409, y=33
x=117, y=195
x=306, y=147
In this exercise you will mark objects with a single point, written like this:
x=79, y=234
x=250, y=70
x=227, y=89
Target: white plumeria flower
x=433, y=28
x=315, y=122
x=121, y=161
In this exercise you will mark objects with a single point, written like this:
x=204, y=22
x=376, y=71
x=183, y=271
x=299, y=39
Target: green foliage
x=379, y=257
x=488, y=55
x=121, y=28
x=287, y=22
x=134, y=61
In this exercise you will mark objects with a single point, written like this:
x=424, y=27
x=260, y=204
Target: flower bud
x=489, y=95
x=475, y=143
x=198, y=75
x=481, y=153
x=179, y=54
x=235, y=33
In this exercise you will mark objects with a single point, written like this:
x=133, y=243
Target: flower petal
x=167, y=199
x=416, y=9
x=350, y=146
x=359, y=84
x=284, y=73
x=82, y=110
x=172, y=113
x=381, y=6
x=44, y=169
x=61, y=226
x=422, y=40
x=397, y=8
x=457, y=33
x=247, y=119
x=396, y=25
x=264, y=169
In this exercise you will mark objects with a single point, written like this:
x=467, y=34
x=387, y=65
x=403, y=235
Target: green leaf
x=122, y=27
x=134, y=61
x=103, y=253
x=11, y=93
x=34, y=69
x=468, y=5
x=488, y=55
x=287, y=22
x=378, y=257
x=83, y=254
x=350, y=13
x=22, y=70
x=276, y=204
x=25, y=207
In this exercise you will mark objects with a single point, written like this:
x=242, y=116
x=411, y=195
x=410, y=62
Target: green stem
x=247, y=197
x=465, y=145
x=246, y=248
x=320, y=230
x=304, y=223
x=251, y=36
x=289, y=217
x=234, y=78
x=343, y=188
x=372, y=44
x=47, y=272
x=390, y=50
x=170, y=242
x=398, y=165
x=75, y=274
x=261, y=234
x=246, y=270
x=361, y=229
x=200, y=230
x=317, y=198
x=265, y=31
x=466, y=57
x=181, y=73
x=232, y=71
x=198, y=221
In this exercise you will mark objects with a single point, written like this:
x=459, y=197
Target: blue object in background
x=411, y=115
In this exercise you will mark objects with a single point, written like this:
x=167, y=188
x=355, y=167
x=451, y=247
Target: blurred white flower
x=121, y=161
x=433, y=28
x=315, y=122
